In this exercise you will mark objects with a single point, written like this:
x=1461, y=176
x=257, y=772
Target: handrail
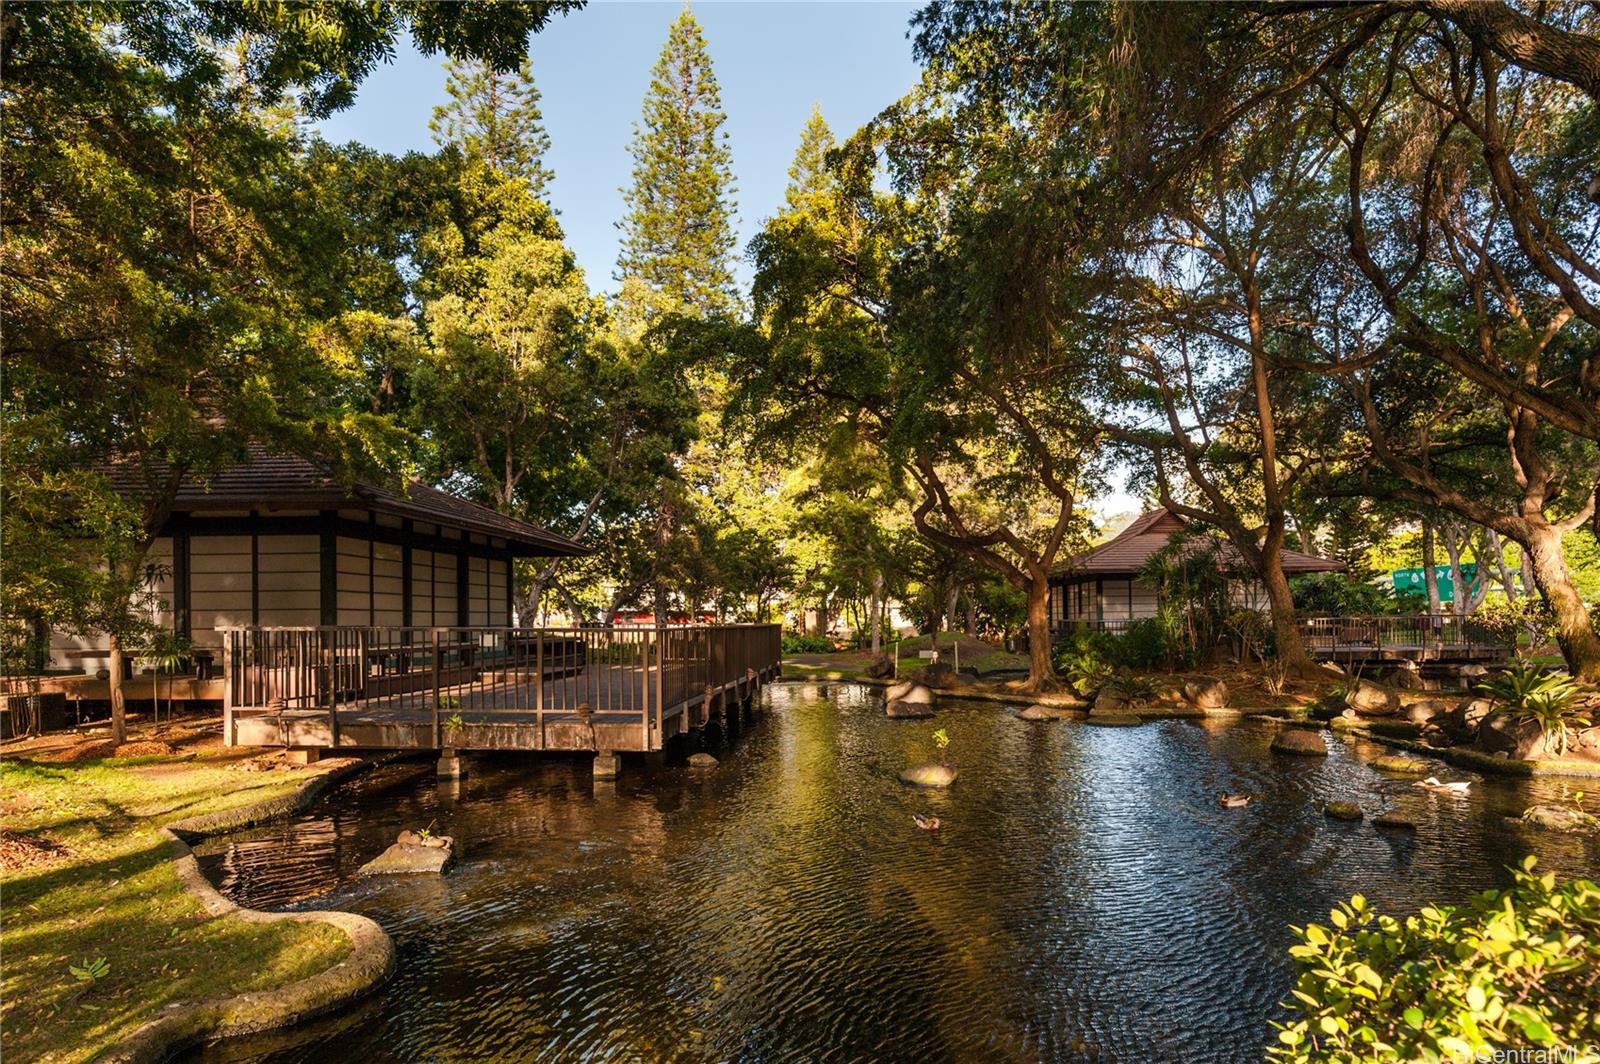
x=439, y=673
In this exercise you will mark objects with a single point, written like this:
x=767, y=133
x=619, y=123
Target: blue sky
x=773, y=61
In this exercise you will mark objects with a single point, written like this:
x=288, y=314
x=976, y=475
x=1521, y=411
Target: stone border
x=370, y=961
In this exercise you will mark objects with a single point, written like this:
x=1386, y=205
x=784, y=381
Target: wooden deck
x=592, y=689
x=1420, y=638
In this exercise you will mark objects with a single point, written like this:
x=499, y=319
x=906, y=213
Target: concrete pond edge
x=369, y=962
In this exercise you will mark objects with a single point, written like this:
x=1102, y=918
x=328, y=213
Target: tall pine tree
x=495, y=117
x=678, y=233
x=808, y=174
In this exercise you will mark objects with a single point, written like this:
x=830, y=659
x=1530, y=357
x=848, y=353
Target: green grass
x=117, y=897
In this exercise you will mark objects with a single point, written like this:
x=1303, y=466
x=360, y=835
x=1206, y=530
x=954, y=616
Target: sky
x=773, y=61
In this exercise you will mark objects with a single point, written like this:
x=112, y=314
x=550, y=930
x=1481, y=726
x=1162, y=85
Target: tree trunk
x=877, y=614
x=1041, y=673
x=1430, y=571
x=972, y=615
x=1280, y=603
x=1497, y=554
x=1580, y=645
x=950, y=600
x=119, y=698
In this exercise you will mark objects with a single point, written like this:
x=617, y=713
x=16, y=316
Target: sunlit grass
x=116, y=896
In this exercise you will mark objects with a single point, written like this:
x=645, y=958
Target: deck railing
x=1438, y=634
x=645, y=674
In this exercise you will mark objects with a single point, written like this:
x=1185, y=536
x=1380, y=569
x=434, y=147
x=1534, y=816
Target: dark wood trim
x=372, y=570
x=1099, y=598
x=267, y=525
x=463, y=592
x=255, y=577
x=178, y=526
x=511, y=576
x=405, y=572
x=328, y=549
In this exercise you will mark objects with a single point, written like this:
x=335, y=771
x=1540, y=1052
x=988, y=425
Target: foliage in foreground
x=1512, y=968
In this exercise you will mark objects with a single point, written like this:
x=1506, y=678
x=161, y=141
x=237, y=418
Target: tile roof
x=272, y=480
x=1126, y=553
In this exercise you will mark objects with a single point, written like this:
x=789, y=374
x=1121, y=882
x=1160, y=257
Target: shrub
x=1507, y=619
x=1515, y=967
x=1146, y=644
x=807, y=644
x=1085, y=659
x=1134, y=690
x=1546, y=698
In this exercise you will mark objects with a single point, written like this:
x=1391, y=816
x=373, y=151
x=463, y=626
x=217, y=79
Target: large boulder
x=1464, y=721
x=909, y=702
x=1372, y=700
x=1206, y=692
x=897, y=691
x=1408, y=677
x=1109, y=701
x=880, y=668
x=1426, y=710
x=1304, y=742
x=412, y=854
x=936, y=674
x=1039, y=711
x=933, y=774
x=1521, y=740
x=702, y=760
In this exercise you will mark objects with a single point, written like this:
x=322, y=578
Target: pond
x=1085, y=899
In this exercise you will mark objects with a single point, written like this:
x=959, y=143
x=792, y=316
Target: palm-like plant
x=1544, y=698
x=166, y=653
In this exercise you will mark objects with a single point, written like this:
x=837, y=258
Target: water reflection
x=1086, y=897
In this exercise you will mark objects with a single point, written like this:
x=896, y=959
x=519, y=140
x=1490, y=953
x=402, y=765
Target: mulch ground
x=20, y=851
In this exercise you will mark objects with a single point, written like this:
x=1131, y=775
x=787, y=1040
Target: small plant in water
x=1134, y=690
x=941, y=739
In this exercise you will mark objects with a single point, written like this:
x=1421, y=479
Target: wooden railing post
x=438, y=725
x=661, y=675
x=329, y=684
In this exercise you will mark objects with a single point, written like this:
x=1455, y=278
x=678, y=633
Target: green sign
x=1411, y=580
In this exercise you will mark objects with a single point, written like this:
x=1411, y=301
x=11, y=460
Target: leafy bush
x=1134, y=690
x=1507, y=619
x=807, y=644
x=1343, y=595
x=1085, y=658
x=1545, y=698
x=1147, y=644
x=1516, y=967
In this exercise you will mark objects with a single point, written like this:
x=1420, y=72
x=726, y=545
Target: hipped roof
x=271, y=480
x=1127, y=552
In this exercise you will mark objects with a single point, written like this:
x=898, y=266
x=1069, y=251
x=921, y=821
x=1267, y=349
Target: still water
x=1085, y=899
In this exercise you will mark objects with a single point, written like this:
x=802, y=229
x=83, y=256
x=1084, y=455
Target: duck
x=1458, y=788
x=926, y=823
x=1234, y=801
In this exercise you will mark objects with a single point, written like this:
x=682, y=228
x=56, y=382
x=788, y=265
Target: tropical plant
x=1514, y=967
x=455, y=724
x=450, y=702
x=166, y=653
x=1188, y=575
x=1085, y=659
x=1547, y=699
x=90, y=971
x=1134, y=690
x=941, y=741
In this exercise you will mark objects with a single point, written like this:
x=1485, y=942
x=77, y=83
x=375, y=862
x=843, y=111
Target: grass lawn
x=87, y=876
x=852, y=664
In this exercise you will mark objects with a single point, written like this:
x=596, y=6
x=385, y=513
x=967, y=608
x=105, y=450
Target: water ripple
x=1086, y=898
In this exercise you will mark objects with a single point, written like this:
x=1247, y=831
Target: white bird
x=1459, y=788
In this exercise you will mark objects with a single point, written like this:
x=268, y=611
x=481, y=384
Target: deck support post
x=607, y=765
x=302, y=755
x=450, y=766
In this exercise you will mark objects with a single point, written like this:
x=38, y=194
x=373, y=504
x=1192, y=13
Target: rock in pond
x=1559, y=818
x=909, y=701
x=1404, y=766
x=1206, y=693
x=412, y=854
x=1113, y=720
x=1372, y=700
x=1302, y=741
x=1394, y=821
x=936, y=674
x=1039, y=711
x=882, y=667
x=1426, y=710
x=1109, y=701
x=1342, y=811
x=931, y=775
x=702, y=760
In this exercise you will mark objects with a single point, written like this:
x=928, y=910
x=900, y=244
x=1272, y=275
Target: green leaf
x=1413, y=1017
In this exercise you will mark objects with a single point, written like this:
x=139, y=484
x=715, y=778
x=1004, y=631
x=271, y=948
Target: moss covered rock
x=1342, y=811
